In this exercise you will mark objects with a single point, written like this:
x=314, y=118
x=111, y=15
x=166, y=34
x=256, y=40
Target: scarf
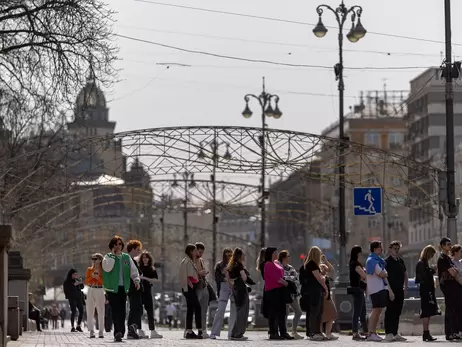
x=372, y=261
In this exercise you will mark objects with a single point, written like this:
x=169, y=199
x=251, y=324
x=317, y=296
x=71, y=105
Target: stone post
x=6, y=235
x=18, y=284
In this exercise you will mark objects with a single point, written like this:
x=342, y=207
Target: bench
x=14, y=328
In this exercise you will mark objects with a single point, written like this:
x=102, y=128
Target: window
x=395, y=140
x=396, y=181
x=372, y=139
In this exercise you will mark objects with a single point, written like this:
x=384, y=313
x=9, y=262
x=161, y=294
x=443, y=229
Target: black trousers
x=359, y=311
x=149, y=307
x=76, y=304
x=277, y=312
x=35, y=315
x=193, y=309
x=393, y=312
x=451, y=293
x=136, y=309
x=316, y=305
x=117, y=302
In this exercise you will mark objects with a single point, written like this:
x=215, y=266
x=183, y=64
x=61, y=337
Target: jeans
x=224, y=295
x=149, y=307
x=203, y=296
x=193, y=309
x=95, y=299
x=393, y=313
x=117, y=303
x=297, y=313
x=359, y=311
x=136, y=309
x=76, y=304
x=316, y=306
x=242, y=316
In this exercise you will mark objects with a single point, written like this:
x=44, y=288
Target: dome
x=90, y=96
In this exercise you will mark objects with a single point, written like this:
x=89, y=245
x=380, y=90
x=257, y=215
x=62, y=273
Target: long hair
x=235, y=258
x=261, y=258
x=427, y=253
x=150, y=259
x=354, y=253
x=314, y=255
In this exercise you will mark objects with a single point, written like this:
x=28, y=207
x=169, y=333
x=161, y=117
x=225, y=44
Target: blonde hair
x=314, y=254
x=427, y=253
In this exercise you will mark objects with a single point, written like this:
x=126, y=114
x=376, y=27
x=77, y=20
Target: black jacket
x=132, y=284
x=71, y=291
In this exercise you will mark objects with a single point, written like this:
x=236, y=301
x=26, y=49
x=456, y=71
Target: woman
x=313, y=291
x=146, y=264
x=34, y=312
x=329, y=312
x=456, y=252
x=72, y=288
x=358, y=290
x=240, y=277
x=428, y=304
x=261, y=269
x=96, y=298
x=291, y=276
x=189, y=278
x=274, y=284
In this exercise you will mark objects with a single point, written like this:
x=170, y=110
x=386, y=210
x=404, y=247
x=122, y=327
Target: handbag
x=212, y=294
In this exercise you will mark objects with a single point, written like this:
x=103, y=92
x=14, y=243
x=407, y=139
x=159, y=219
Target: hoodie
x=70, y=290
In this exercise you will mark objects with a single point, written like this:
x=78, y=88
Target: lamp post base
x=343, y=303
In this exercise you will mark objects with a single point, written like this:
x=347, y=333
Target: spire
x=91, y=73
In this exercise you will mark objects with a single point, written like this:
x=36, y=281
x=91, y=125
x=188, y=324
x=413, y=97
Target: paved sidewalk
x=174, y=338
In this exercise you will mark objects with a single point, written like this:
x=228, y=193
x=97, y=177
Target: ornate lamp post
x=188, y=179
x=266, y=102
x=215, y=158
x=357, y=32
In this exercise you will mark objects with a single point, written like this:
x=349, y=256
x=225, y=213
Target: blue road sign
x=367, y=201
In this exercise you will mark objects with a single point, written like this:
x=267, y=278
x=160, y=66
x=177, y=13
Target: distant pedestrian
x=202, y=289
x=73, y=286
x=63, y=314
x=357, y=289
x=170, y=309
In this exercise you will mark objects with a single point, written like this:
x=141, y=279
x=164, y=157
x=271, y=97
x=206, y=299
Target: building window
x=372, y=139
x=395, y=140
x=396, y=181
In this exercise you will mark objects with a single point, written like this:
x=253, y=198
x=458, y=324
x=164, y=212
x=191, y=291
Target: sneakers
x=190, y=335
x=399, y=338
x=73, y=330
x=92, y=335
x=389, y=338
x=132, y=334
x=332, y=337
x=318, y=337
x=79, y=329
x=142, y=334
x=118, y=337
x=358, y=337
x=155, y=335
x=296, y=336
x=374, y=338
x=204, y=335
x=213, y=336
x=241, y=338
x=101, y=336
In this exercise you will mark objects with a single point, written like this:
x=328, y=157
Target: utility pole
x=451, y=208
x=162, y=257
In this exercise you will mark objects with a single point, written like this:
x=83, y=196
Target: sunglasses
x=94, y=259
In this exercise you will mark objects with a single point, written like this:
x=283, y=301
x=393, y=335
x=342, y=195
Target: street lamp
x=188, y=179
x=266, y=102
x=215, y=157
x=357, y=32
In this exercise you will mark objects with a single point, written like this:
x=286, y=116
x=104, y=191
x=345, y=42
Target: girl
x=149, y=277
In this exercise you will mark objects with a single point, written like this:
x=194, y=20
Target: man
x=224, y=290
x=447, y=274
x=376, y=288
x=397, y=279
x=135, y=331
x=119, y=271
x=202, y=290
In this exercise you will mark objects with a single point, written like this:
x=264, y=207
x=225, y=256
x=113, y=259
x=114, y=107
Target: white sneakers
x=297, y=336
x=374, y=337
x=155, y=335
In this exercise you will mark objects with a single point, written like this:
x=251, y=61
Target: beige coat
x=187, y=269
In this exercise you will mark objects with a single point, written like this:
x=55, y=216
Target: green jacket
x=111, y=271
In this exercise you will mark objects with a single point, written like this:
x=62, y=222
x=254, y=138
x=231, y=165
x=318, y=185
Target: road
x=174, y=338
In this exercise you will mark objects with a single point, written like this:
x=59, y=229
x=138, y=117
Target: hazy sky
x=211, y=91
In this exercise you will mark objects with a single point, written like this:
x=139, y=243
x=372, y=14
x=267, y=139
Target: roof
x=103, y=180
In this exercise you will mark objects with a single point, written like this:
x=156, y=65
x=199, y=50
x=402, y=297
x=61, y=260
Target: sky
x=210, y=90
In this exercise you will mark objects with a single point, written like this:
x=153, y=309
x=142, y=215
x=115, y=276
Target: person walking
x=135, y=295
x=54, y=316
x=96, y=297
x=424, y=277
x=62, y=315
x=291, y=276
x=376, y=288
x=276, y=298
x=224, y=289
x=202, y=289
x=358, y=290
x=397, y=279
x=447, y=274
x=119, y=273
x=149, y=277
x=313, y=291
x=189, y=278
x=240, y=277
x=170, y=309
x=72, y=288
